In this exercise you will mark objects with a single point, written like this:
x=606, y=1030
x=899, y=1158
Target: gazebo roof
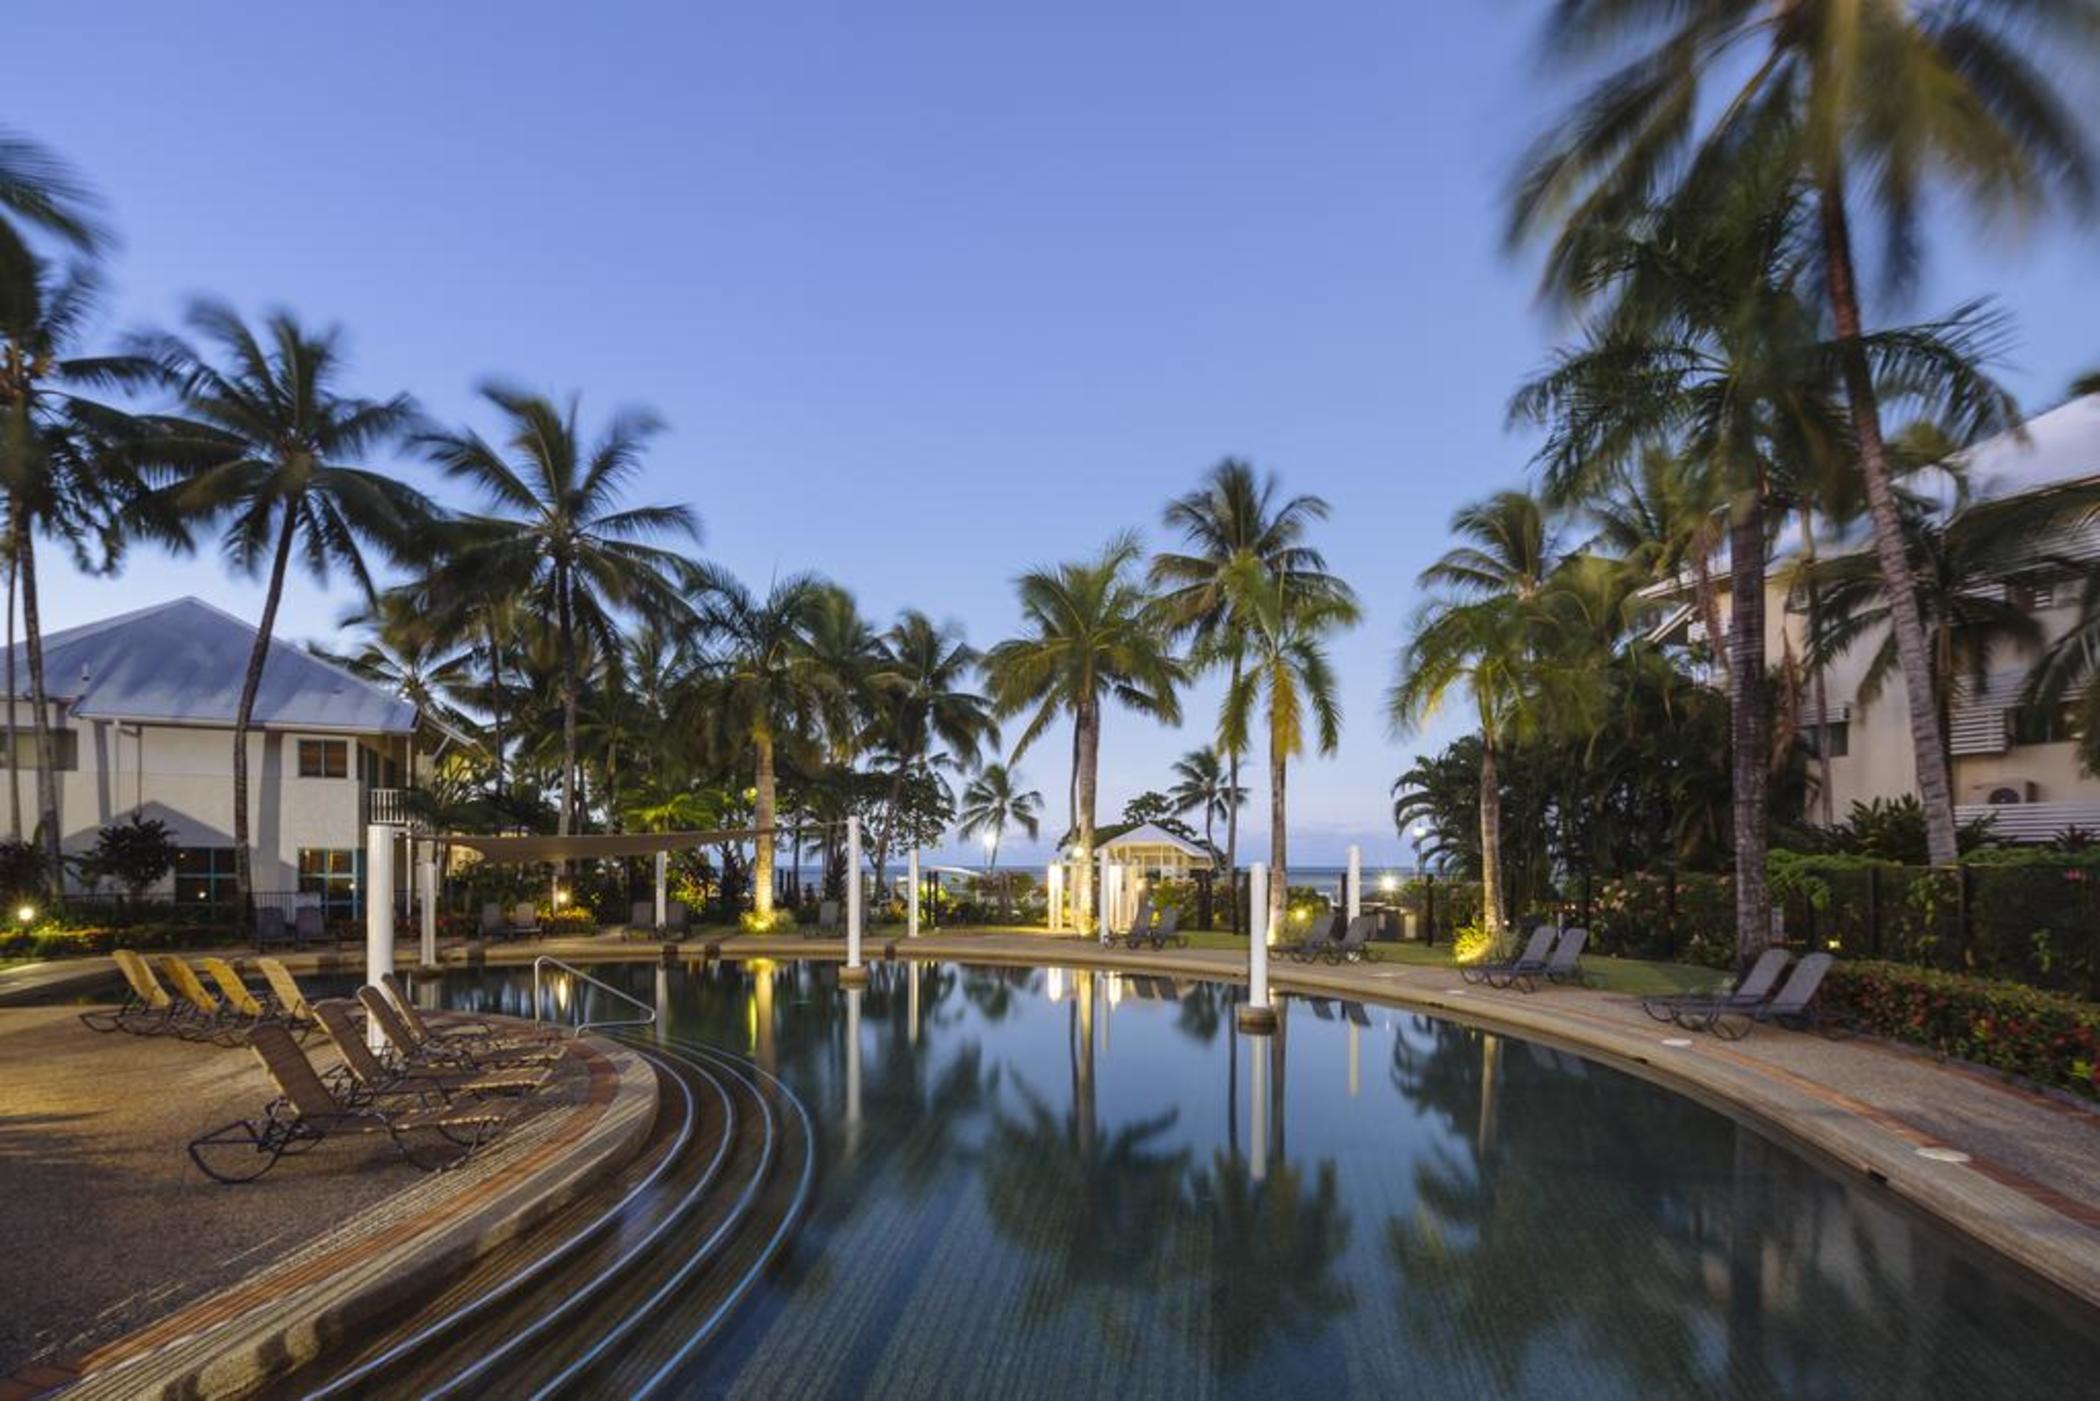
x=1151, y=834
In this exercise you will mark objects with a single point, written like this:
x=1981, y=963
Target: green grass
x=1633, y=977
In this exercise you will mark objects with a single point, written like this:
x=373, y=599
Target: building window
x=331, y=873
x=324, y=758
x=65, y=746
x=1839, y=733
x=2042, y=724
x=204, y=876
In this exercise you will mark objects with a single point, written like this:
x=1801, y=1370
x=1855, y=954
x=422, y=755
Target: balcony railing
x=395, y=807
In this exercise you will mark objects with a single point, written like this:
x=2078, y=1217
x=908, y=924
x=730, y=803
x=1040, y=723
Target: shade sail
x=593, y=845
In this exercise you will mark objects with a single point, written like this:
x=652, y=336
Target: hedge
x=2048, y=1038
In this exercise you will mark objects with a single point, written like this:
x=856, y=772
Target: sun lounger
x=286, y=997
x=1165, y=931
x=493, y=923
x=463, y=1033
x=678, y=920
x=367, y=1078
x=411, y=1052
x=1755, y=987
x=1532, y=960
x=309, y=925
x=524, y=921
x=208, y=1018
x=1139, y=927
x=241, y=1003
x=827, y=920
x=1319, y=943
x=272, y=928
x=1355, y=944
x=306, y=1111
x=147, y=1009
x=1791, y=1006
x=641, y=920
x=1565, y=963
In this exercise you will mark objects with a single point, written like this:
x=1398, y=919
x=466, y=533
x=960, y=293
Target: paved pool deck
x=129, y=1273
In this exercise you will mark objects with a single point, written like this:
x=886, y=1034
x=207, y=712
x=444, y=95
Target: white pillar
x=379, y=908
x=1054, y=893
x=662, y=1028
x=1355, y=1060
x=1257, y=1015
x=1356, y=881
x=663, y=891
x=427, y=868
x=852, y=1068
x=911, y=973
x=911, y=908
x=1101, y=894
x=853, y=972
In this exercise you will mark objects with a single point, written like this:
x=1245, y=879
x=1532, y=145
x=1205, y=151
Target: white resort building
x=2020, y=770
x=142, y=708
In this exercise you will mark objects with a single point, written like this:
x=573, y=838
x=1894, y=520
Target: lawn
x=1631, y=976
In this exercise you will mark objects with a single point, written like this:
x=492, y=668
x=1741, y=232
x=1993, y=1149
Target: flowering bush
x=1472, y=943
x=2046, y=1037
x=570, y=919
x=1648, y=915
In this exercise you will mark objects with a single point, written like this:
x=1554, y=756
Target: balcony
x=396, y=807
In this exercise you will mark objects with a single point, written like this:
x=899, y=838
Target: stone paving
x=121, y=1254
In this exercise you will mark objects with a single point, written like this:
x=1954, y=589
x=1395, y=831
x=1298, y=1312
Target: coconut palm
x=1482, y=633
x=64, y=473
x=995, y=800
x=561, y=537
x=41, y=193
x=1287, y=675
x=1090, y=635
x=1916, y=93
x=406, y=652
x=1202, y=783
x=268, y=453
x=765, y=687
x=926, y=715
x=1235, y=514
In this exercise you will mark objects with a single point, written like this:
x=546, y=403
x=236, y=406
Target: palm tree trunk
x=244, y=714
x=1086, y=724
x=1232, y=821
x=762, y=844
x=1490, y=833
x=496, y=702
x=1817, y=689
x=14, y=755
x=1749, y=729
x=1935, y=788
x=568, y=701
x=1279, y=842
x=40, y=704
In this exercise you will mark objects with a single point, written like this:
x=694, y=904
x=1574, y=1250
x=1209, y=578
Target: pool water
x=1048, y=1182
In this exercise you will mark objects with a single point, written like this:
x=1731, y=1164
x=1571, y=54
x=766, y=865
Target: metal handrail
x=649, y=1013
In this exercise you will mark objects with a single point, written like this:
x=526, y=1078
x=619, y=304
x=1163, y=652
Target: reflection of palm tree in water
x=1264, y=1255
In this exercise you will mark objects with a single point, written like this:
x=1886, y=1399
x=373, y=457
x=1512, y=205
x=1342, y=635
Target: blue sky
x=927, y=292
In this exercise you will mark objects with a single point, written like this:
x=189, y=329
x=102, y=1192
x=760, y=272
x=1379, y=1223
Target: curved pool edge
x=248, y=1335
x=2047, y=1234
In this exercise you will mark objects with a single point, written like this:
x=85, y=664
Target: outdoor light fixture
x=561, y=897
x=25, y=914
x=1388, y=883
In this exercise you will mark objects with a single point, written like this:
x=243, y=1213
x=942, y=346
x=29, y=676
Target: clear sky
x=928, y=292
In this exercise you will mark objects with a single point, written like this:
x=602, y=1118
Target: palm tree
x=63, y=475
x=1914, y=92
x=1200, y=781
x=41, y=192
x=995, y=800
x=561, y=535
x=269, y=453
x=766, y=687
x=1090, y=634
x=406, y=651
x=1481, y=634
x=1235, y=515
x=1288, y=673
x=923, y=703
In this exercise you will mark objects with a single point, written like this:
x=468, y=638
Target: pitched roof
x=1114, y=837
x=183, y=663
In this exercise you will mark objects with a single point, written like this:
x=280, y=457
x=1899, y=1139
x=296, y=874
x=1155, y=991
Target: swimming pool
x=1055, y=1182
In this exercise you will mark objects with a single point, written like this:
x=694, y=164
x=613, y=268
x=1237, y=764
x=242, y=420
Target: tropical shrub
x=135, y=854
x=570, y=919
x=2045, y=1037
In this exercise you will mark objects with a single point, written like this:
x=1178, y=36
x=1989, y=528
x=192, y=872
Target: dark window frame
x=331, y=758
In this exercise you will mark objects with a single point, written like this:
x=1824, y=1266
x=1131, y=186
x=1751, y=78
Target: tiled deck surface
x=128, y=1270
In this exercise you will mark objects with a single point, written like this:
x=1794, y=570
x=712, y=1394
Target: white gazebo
x=1133, y=858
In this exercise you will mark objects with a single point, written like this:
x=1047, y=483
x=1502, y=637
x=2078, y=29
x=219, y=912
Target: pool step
x=617, y=1292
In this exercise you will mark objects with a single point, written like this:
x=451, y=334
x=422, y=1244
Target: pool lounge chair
x=678, y=920
x=411, y=1052
x=641, y=920
x=366, y=1078
x=1139, y=927
x=273, y=929
x=1751, y=991
x=243, y=1003
x=309, y=925
x=286, y=997
x=493, y=923
x=459, y=1033
x=1319, y=943
x=1166, y=931
x=208, y=1018
x=827, y=921
x=524, y=921
x=147, y=1009
x=1532, y=959
x=1564, y=965
x=1355, y=945
x=1793, y=1005
x=307, y=1111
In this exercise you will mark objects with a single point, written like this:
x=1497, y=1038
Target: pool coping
x=249, y=1334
